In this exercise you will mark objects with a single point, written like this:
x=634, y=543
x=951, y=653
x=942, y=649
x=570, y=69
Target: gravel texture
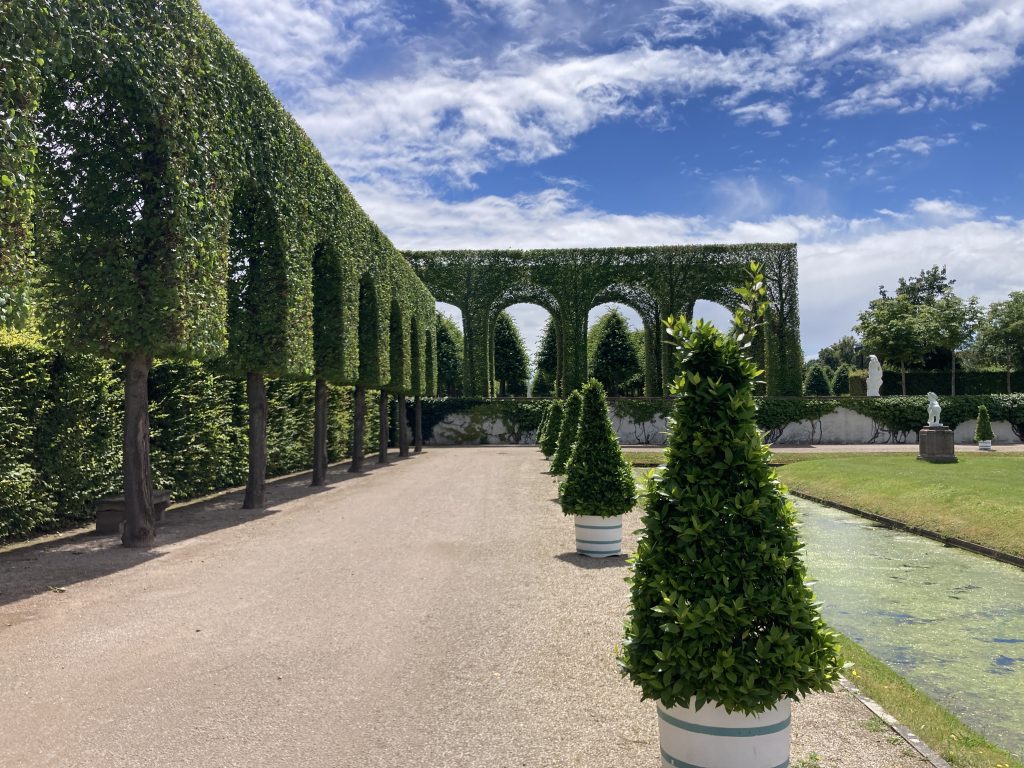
x=429, y=613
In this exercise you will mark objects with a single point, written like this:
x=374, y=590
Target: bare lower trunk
x=255, y=489
x=382, y=457
x=952, y=376
x=358, y=427
x=417, y=431
x=903, y=376
x=1009, y=385
x=140, y=520
x=320, y=434
x=403, y=427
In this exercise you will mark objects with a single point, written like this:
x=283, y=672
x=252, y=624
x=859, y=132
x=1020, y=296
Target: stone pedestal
x=935, y=444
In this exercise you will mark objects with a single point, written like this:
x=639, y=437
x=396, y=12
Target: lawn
x=940, y=730
x=981, y=498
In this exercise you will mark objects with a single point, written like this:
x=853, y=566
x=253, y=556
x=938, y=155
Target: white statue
x=934, y=410
x=874, y=377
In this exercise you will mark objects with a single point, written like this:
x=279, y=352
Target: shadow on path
x=56, y=563
x=593, y=563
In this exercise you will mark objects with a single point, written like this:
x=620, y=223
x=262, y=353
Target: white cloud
x=776, y=114
x=918, y=145
x=944, y=209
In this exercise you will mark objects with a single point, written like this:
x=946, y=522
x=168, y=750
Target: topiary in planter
x=599, y=481
x=549, y=438
x=720, y=610
x=567, y=433
x=984, y=429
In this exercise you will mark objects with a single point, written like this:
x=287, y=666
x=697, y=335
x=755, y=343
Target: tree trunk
x=418, y=423
x=1009, y=385
x=382, y=457
x=140, y=519
x=358, y=427
x=952, y=376
x=903, y=376
x=503, y=390
x=255, y=489
x=403, y=427
x=320, y=434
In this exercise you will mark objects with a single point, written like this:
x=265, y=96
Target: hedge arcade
x=657, y=282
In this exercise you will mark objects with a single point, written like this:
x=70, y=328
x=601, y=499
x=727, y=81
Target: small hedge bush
x=599, y=481
x=720, y=609
x=549, y=440
x=567, y=432
x=984, y=429
x=818, y=381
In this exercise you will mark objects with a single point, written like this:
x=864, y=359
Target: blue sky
x=881, y=137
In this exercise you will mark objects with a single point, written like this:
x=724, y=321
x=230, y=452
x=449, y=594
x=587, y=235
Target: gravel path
x=431, y=613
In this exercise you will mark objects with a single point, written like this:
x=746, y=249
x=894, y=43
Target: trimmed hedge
x=61, y=431
x=923, y=382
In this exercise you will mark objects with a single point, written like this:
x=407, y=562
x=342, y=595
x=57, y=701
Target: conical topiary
x=545, y=411
x=567, y=433
x=818, y=381
x=549, y=439
x=841, y=380
x=720, y=611
x=984, y=429
x=599, y=481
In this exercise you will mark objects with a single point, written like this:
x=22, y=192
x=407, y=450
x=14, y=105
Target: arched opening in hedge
x=537, y=328
x=328, y=345
x=524, y=296
x=258, y=296
x=610, y=362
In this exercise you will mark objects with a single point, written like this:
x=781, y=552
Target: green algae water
x=949, y=621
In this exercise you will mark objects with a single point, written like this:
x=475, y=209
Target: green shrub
x=720, y=610
x=549, y=440
x=818, y=381
x=599, y=481
x=567, y=432
x=840, y=382
x=984, y=429
x=543, y=422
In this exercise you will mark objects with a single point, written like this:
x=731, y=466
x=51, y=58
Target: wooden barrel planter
x=713, y=738
x=598, y=536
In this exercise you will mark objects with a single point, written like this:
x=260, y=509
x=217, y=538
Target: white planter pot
x=598, y=536
x=985, y=445
x=712, y=738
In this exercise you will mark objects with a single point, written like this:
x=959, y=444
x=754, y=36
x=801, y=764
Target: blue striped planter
x=713, y=738
x=598, y=536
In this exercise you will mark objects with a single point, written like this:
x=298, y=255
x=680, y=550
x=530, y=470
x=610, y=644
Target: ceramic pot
x=713, y=738
x=598, y=536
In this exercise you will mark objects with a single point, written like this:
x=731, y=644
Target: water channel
x=949, y=621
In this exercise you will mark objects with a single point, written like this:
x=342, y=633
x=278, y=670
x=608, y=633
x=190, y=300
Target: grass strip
x=977, y=499
x=943, y=731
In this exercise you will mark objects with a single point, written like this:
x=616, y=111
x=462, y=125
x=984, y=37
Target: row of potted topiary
x=723, y=631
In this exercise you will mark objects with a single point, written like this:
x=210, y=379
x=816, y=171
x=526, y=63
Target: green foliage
x=846, y=351
x=720, y=609
x=655, y=281
x=552, y=428
x=176, y=208
x=1001, y=335
x=921, y=382
x=545, y=363
x=926, y=288
x=599, y=481
x=984, y=429
x=449, y=356
x=818, y=381
x=567, y=432
x=891, y=329
x=615, y=362
x=840, y=383
x=640, y=410
x=61, y=428
x=511, y=363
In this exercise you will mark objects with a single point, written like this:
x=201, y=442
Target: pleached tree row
x=158, y=202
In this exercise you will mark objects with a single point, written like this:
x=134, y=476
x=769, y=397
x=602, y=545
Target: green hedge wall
x=61, y=432
x=923, y=382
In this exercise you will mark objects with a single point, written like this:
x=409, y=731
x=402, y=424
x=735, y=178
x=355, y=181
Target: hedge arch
x=208, y=243
x=657, y=281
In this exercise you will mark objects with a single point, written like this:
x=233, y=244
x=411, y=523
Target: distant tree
x=846, y=351
x=511, y=363
x=890, y=328
x=1001, y=335
x=615, y=362
x=841, y=380
x=950, y=322
x=818, y=381
x=927, y=288
x=449, y=356
x=545, y=363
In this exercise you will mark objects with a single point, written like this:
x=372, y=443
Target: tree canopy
x=545, y=363
x=449, y=356
x=614, y=361
x=511, y=363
